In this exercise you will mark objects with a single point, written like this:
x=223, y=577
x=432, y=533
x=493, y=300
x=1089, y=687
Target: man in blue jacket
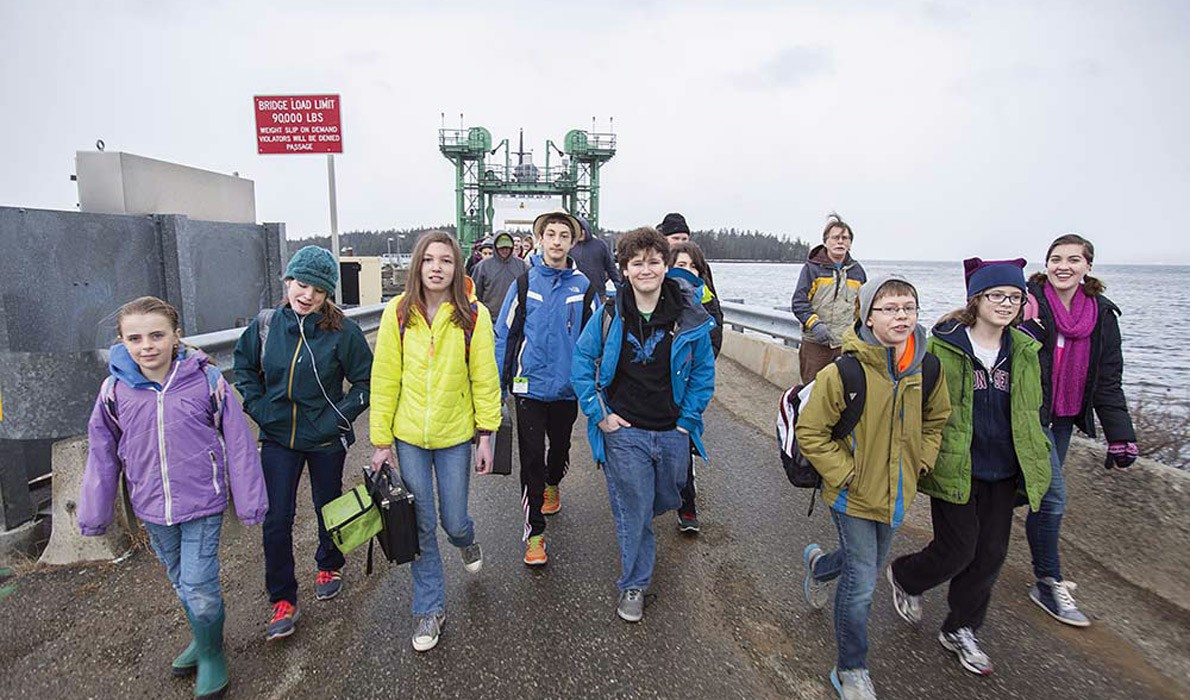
x=644, y=372
x=539, y=323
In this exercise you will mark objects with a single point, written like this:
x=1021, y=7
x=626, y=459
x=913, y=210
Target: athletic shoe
x=285, y=616
x=631, y=607
x=815, y=590
x=553, y=501
x=907, y=606
x=427, y=631
x=853, y=685
x=472, y=557
x=1054, y=598
x=535, y=551
x=688, y=522
x=964, y=644
x=327, y=584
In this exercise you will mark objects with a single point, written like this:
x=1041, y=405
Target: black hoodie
x=642, y=392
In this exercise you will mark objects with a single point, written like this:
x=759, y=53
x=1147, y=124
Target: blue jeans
x=645, y=471
x=190, y=553
x=863, y=549
x=452, y=467
x=282, y=473
x=1043, y=527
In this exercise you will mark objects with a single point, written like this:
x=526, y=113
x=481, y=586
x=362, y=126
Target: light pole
x=390, y=247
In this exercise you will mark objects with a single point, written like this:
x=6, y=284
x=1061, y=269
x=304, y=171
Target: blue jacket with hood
x=692, y=366
x=537, y=342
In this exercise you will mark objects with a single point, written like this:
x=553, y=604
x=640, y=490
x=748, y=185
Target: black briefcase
x=502, y=443
x=398, y=516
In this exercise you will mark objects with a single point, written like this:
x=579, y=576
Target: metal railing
x=220, y=345
x=779, y=324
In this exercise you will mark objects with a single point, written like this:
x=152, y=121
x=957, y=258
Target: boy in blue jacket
x=539, y=323
x=643, y=375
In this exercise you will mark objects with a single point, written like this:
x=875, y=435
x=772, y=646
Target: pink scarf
x=1072, y=362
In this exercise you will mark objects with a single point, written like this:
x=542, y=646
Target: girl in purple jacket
x=166, y=420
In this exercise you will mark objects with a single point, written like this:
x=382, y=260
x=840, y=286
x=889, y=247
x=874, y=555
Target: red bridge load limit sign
x=298, y=124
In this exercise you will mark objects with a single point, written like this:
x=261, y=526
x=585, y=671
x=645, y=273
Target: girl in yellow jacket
x=435, y=387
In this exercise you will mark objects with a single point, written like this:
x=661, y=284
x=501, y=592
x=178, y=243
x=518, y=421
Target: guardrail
x=220, y=345
x=778, y=324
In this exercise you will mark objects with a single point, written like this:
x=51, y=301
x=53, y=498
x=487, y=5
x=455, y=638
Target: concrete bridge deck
x=728, y=620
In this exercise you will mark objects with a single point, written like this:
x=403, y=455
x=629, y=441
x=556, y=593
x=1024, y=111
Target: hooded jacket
x=692, y=365
x=827, y=292
x=179, y=467
x=557, y=305
x=425, y=392
x=493, y=277
x=710, y=302
x=594, y=259
x=1103, y=391
x=285, y=397
x=951, y=478
x=873, y=472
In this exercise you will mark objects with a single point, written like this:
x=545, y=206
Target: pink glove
x=1120, y=455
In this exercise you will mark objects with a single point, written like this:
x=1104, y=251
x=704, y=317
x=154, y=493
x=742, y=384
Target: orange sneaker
x=535, y=551
x=553, y=501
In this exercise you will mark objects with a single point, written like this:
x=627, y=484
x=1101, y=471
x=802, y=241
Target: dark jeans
x=863, y=549
x=537, y=422
x=969, y=547
x=282, y=472
x=689, y=492
x=1044, y=526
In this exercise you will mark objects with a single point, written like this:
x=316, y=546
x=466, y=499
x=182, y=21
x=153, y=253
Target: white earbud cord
x=314, y=365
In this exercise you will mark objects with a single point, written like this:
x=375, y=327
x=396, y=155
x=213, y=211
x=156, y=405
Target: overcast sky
x=939, y=129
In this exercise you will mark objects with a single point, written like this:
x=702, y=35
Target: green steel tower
x=478, y=179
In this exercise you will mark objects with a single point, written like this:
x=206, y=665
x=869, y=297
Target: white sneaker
x=472, y=557
x=429, y=628
x=964, y=644
x=855, y=684
x=907, y=606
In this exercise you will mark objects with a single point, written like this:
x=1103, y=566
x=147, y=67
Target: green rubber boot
x=212, y=665
x=187, y=661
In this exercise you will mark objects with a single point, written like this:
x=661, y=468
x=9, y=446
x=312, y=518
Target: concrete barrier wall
x=1135, y=524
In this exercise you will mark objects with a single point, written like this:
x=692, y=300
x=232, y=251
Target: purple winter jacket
x=178, y=466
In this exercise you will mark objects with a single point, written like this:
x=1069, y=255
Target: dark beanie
x=982, y=275
x=314, y=266
x=673, y=223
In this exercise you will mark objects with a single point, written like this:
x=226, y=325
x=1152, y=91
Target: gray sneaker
x=425, y=634
x=855, y=684
x=907, y=606
x=632, y=605
x=815, y=590
x=472, y=557
x=1054, y=598
x=964, y=644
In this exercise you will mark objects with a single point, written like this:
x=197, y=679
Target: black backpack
x=798, y=469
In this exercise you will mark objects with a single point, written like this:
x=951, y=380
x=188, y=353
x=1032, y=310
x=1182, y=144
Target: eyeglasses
x=909, y=309
x=1000, y=297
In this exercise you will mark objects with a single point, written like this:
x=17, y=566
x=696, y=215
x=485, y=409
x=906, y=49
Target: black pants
x=689, y=492
x=538, y=421
x=969, y=547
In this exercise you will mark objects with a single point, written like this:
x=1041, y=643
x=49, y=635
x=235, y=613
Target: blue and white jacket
x=537, y=342
x=692, y=366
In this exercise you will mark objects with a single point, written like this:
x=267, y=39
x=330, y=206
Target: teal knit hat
x=315, y=266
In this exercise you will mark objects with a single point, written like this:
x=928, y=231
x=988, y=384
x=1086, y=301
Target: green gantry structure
x=479, y=177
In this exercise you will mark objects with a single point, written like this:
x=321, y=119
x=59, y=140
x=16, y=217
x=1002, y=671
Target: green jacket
x=872, y=473
x=284, y=397
x=951, y=478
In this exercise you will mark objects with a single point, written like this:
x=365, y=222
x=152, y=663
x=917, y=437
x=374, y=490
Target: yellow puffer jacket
x=424, y=391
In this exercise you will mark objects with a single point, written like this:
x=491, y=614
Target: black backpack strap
x=931, y=369
x=855, y=392
x=588, y=302
x=516, y=333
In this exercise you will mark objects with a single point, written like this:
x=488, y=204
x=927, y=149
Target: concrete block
x=776, y=363
x=67, y=544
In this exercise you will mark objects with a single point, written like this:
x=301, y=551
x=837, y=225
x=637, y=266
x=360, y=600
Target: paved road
x=728, y=620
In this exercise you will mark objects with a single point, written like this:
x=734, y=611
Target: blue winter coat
x=692, y=366
x=556, y=307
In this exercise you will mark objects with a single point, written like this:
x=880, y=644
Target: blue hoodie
x=537, y=342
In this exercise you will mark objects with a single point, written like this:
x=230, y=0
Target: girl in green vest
x=993, y=447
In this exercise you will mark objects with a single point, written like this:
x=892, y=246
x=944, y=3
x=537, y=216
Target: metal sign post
x=330, y=179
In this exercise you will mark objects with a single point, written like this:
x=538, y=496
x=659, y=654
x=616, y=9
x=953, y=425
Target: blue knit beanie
x=314, y=266
x=982, y=275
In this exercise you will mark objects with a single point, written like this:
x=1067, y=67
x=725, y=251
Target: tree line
x=719, y=244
